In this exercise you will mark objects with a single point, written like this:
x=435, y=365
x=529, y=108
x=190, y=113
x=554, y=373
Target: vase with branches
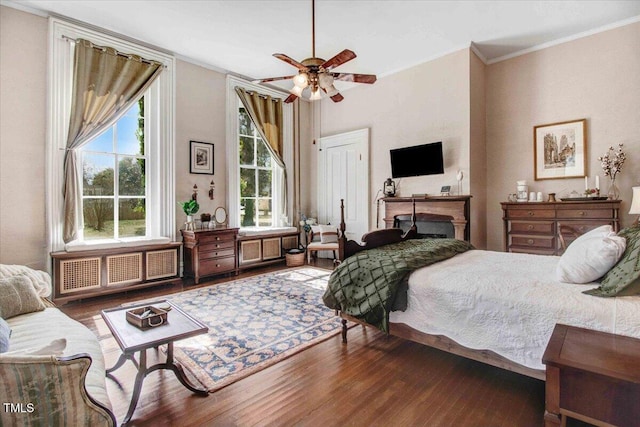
x=612, y=163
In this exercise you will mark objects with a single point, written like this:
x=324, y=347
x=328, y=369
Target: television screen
x=425, y=159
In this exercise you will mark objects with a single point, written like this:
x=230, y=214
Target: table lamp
x=635, y=204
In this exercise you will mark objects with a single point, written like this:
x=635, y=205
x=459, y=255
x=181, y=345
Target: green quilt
x=367, y=284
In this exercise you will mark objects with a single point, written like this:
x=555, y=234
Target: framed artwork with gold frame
x=560, y=150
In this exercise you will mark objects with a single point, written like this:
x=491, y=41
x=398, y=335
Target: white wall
x=595, y=77
x=23, y=73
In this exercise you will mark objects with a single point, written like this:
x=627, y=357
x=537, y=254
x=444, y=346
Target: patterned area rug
x=254, y=323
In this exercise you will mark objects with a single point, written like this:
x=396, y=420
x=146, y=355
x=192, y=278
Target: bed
x=495, y=307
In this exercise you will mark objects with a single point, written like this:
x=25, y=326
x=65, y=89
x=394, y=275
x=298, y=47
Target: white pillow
x=328, y=234
x=591, y=256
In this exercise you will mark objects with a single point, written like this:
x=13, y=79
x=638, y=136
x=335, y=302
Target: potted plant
x=189, y=208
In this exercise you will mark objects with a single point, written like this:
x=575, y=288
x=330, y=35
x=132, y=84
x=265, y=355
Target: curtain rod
x=104, y=49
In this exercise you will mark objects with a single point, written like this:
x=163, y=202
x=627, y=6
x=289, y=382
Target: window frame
x=159, y=131
x=233, y=155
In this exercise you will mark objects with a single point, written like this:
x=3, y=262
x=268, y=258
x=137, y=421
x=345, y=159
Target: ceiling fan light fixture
x=325, y=80
x=331, y=91
x=296, y=90
x=301, y=80
x=315, y=95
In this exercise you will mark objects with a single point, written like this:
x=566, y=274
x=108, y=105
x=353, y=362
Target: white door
x=343, y=173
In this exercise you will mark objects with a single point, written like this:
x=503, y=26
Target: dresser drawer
x=532, y=251
x=217, y=238
x=531, y=213
x=534, y=227
x=217, y=265
x=584, y=213
x=210, y=246
x=542, y=242
x=216, y=253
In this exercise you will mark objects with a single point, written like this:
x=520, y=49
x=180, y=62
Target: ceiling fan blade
x=290, y=98
x=337, y=97
x=344, y=56
x=356, y=78
x=272, y=79
x=290, y=61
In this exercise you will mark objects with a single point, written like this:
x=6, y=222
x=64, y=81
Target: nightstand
x=593, y=377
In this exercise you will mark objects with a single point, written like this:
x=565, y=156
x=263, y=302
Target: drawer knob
x=530, y=213
x=581, y=228
x=530, y=241
x=530, y=227
x=217, y=238
x=581, y=213
x=217, y=246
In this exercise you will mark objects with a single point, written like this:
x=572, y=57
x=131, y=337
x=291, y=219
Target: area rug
x=254, y=323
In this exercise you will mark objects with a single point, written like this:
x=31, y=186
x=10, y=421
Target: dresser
x=209, y=252
x=540, y=227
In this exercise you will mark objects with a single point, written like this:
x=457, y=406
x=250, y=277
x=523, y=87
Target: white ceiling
x=387, y=35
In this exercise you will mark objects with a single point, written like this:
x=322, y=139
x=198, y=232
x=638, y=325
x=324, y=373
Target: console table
x=536, y=227
x=592, y=376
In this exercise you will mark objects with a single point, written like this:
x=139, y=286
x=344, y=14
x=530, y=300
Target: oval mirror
x=220, y=215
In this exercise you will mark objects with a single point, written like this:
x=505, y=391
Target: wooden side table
x=593, y=377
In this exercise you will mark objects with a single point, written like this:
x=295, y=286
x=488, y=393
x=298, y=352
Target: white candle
x=597, y=182
x=586, y=183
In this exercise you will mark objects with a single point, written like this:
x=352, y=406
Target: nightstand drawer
x=584, y=213
x=531, y=213
x=541, y=242
x=217, y=238
x=217, y=265
x=535, y=227
x=217, y=253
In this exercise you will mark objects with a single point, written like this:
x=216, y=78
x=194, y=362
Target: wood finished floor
x=374, y=380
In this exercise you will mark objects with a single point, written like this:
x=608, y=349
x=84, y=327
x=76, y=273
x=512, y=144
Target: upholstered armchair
x=322, y=238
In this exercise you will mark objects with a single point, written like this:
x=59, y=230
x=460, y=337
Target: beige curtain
x=106, y=83
x=266, y=114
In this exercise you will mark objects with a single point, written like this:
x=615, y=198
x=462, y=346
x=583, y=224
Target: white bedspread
x=508, y=303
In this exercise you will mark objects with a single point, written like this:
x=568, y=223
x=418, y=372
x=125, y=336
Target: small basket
x=295, y=257
x=157, y=317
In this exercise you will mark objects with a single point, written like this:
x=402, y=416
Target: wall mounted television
x=417, y=160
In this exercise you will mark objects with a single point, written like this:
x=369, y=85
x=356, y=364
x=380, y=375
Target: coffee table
x=132, y=339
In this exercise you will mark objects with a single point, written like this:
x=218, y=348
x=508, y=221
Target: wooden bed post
x=342, y=239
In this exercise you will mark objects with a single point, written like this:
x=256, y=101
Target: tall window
x=256, y=175
x=114, y=181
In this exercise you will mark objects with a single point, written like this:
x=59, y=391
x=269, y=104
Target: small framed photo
x=201, y=157
x=445, y=190
x=560, y=150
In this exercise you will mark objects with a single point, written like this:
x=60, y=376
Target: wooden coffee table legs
x=143, y=370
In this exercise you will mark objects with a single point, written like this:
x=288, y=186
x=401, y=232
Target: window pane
x=247, y=212
x=101, y=144
x=131, y=218
x=246, y=151
x=97, y=174
x=247, y=182
x=98, y=218
x=245, y=126
x=130, y=131
x=264, y=156
x=264, y=212
x=264, y=183
x=131, y=177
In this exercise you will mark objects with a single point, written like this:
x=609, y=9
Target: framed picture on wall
x=560, y=150
x=201, y=157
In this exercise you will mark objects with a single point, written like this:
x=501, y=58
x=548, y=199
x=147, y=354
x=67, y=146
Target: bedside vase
x=613, y=192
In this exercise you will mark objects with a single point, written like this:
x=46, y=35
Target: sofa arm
x=50, y=391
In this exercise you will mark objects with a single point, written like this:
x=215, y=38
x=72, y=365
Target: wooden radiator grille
x=79, y=274
x=162, y=264
x=289, y=242
x=271, y=248
x=126, y=268
x=250, y=251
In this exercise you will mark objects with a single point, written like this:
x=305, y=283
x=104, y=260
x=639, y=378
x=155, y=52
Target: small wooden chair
x=322, y=238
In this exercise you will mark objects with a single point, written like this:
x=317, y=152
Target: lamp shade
x=635, y=201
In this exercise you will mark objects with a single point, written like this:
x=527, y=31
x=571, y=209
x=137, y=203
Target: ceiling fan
x=315, y=73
